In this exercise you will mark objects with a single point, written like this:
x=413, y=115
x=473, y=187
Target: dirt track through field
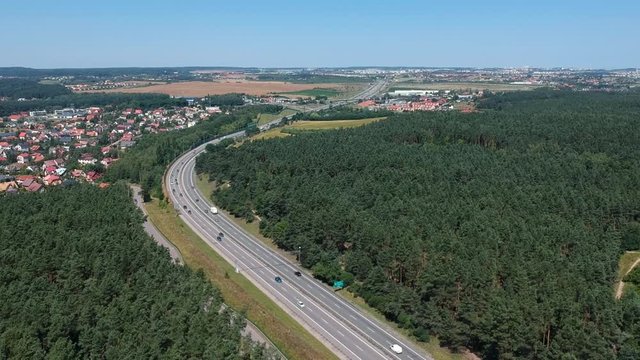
x=620, y=288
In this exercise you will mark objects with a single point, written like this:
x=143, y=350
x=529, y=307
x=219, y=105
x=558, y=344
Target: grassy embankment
x=265, y=118
x=305, y=125
x=238, y=292
x=206, y=187
x=328, y=92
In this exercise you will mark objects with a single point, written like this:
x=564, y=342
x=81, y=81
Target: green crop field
x=328, y=92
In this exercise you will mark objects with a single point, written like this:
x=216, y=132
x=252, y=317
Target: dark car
x=221, y=234
x=297, y=273
x=278, y=279
x=184, y=207
x=219, y=238
x=189, y=211
x=197, y=200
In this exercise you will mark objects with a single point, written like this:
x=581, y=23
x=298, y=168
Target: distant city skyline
x=287, y=33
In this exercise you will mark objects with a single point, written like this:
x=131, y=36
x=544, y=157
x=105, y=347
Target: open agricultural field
x=330, y=124
x=461, y=86
x=328, y=92
x=305, y=125
x=203, y=88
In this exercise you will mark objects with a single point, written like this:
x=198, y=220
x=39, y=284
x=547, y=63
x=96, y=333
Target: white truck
x=214, y=210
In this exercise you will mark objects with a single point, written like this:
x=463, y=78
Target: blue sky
x=287, y=33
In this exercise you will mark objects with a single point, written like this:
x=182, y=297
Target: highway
x=349, y=332
x=373, y=90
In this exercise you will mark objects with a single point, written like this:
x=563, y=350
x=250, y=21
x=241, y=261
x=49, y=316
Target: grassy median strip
x=238, y=292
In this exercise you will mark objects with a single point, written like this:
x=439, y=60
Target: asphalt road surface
x=348, y=331
x=373, y=90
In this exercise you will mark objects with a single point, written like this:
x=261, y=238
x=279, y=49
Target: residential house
x=5, y=186
x=37, y=157
x=124, y=145
x=15, y=167
x=26, y=180
x=15, y=117
x=51, y=179
x=34, y=187
x=23, y=158
x=77, y=173
x=92, y=176
x=87, y=159
x=52, y=163
x=107, y=162
x=22, y=147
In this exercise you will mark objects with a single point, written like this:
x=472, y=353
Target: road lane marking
x=252, y=254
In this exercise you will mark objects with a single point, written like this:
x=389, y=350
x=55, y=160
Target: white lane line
x=370, y=329
x=325, y=320
x=353, y=317
x=252, y=255
x=340, y=332
x=359, y=348
x=203, y=230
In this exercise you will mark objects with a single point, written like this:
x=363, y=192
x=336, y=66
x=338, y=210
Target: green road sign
x=338, y=284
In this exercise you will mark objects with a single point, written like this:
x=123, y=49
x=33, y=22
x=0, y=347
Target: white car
x=300, y=303
x=396, y=348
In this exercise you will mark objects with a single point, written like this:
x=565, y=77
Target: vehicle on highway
x=396, y=348
x=278, y=279
x=189, y=211
x=184, y=207
x=181, y=194
x=221, y=234
x=300, y=303
x=219, y=238
x=197, y=200
x=214, y=210
x=297, y=273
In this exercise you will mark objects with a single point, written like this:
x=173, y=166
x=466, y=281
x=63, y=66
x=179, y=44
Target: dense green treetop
x=110, y=100
x=20, y=88
x=79, y=278
x=497, y=231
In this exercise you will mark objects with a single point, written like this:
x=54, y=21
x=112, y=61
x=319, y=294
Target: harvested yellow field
x=330, y=124
x=203, y=88
x=312, y=125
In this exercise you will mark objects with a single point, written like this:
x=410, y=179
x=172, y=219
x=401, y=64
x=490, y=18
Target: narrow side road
x=250, y=330
x=620, y=288
x=153, y=231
